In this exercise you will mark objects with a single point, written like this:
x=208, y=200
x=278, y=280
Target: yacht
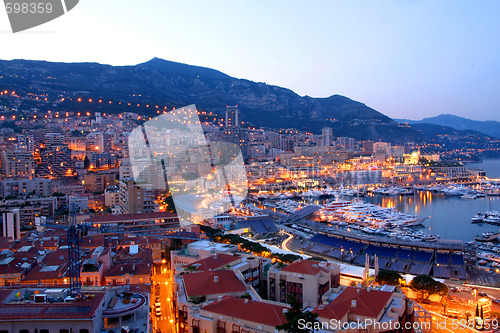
x=492, y=219
x=479, y=217
x=487, y=237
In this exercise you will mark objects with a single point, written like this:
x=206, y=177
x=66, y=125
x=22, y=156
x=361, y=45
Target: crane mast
x=73, y=253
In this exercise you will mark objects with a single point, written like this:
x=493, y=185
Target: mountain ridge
x=488, y=127
x=173, y=83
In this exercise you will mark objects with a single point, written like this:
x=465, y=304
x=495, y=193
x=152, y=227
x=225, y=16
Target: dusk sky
x=405, y=58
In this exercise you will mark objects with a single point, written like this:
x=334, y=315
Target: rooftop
x=214, y=262
x=369, y=303
x=212, y=283
x=308, y=266
x=253, y=311
x=140, y=268
x=16, y=304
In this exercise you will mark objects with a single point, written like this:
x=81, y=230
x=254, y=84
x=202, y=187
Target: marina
x=447, y=216
x=434, y=229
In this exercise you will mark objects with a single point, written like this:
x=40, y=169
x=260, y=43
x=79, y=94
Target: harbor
x=434, y=230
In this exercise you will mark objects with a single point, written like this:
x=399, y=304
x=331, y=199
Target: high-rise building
x=75, y=143
x=17, y=164
x=53, y=139
x=26, y=142
x=98, y=142
x=326, y=136
x=56, y=162
x=368, y=146
x=11, y=225
x=345, y=143
x=237, y=136
x=125, y=169
x=232, y=116
x=134, y=198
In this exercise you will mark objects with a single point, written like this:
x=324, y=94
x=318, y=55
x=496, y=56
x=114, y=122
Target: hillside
x=170, y=83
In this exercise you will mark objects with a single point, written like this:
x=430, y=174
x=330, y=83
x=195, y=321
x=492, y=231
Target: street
x=166, y=322
x=459, y=303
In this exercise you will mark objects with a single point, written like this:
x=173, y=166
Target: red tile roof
x=213, y=262
x=14, y=266
x=129, y=268
x=47, y=272
x=310, y=267
x=123, y=254
x=57, y=256
x=253, y=311
x=92, y=241
x=369, y=303
x=203, y=283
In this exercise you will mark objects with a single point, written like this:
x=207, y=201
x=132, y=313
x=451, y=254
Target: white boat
x=455, y=191
x=492, y=219
x=479, y=217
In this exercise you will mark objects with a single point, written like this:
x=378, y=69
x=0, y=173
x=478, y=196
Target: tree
x=197, y=299
x=191, y=268
x=388, y=277
x=169, y=204
x=175, y=244
x=444, y=305
x=295, y=314
x=441, y=289
x=427, y=286
x=86, y=162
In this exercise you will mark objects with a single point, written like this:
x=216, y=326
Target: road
x=285, y=242
x=442, y=324
x=460, y=302
x=166, y=322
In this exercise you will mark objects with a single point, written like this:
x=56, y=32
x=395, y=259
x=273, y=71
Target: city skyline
x=146, y=195
x=406, y=60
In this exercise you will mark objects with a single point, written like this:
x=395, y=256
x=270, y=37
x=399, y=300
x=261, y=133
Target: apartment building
x=17, y=164
x=134, y=198
x=306, y=280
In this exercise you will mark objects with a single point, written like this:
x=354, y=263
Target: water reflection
x=449, y=217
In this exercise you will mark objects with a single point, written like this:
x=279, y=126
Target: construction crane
x=74, y=231
x=75, y=283
x=73, y=239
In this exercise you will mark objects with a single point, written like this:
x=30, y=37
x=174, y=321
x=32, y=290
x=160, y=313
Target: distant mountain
x=171, y=83
x=489, y=127
x=463, y=144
